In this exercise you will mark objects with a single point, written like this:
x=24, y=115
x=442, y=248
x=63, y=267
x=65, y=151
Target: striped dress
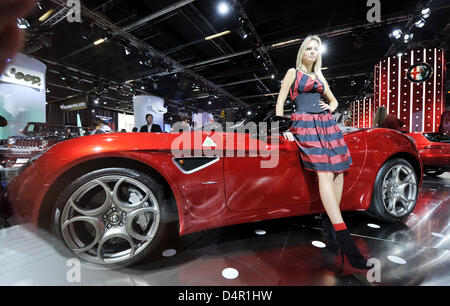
x=319, y=139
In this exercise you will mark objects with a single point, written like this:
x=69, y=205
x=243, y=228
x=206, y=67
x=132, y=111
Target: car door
x=264, y=173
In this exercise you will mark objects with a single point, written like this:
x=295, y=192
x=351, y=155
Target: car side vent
x=192, y=164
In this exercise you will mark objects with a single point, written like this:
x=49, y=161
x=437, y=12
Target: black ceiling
x=169, y=56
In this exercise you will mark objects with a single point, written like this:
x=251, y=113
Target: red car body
x=435, y=154
x=230, y=191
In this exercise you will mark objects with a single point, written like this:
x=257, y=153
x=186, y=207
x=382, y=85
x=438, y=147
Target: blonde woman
x=385, y=120
x=321, y=145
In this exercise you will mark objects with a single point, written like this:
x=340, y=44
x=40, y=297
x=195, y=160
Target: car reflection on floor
x=278, y=252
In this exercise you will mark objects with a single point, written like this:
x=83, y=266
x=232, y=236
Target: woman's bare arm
x=284, y=91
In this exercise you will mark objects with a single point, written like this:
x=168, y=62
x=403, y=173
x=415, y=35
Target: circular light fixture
x=397, y=260
x=260, y=232
x=223, y=8
x=230, y=273
x=318, y=244
x=169, y=253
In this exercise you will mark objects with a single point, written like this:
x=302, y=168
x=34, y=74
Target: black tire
x=167, y=211
x=377, y=207
x=433, y=172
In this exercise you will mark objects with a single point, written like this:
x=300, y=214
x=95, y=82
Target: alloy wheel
x=110, y=219
x=399, y=192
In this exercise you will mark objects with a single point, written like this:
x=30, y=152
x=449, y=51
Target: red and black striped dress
x=319, y=138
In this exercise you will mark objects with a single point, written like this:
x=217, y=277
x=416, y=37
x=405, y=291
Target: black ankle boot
x=351, y=250
x=332, y=243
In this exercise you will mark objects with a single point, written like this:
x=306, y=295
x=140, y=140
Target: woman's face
x=311, y=53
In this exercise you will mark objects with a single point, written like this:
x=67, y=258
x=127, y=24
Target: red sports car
x=112, y=197
x=434, y=149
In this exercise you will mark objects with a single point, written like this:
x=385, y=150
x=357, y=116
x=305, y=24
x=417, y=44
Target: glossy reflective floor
x=280, y=252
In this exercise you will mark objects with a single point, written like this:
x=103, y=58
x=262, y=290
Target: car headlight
x=11, y=141
x=31, y=160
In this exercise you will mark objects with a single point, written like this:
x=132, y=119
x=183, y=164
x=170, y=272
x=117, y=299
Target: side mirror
x=283, y=124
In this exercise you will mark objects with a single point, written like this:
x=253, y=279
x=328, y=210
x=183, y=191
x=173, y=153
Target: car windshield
x=437, y=137
x=256, y=113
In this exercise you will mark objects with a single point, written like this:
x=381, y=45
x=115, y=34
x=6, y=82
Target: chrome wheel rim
x=110, y=219
x=399, y=190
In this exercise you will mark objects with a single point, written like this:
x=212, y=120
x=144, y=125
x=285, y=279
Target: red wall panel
x=418, y=105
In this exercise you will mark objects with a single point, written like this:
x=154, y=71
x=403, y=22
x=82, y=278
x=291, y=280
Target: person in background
x=100, y=127
x=150, y=127
x=385, y=120
x=348, y=122
x=123, y=131
x=134, y=130
x=69, y=133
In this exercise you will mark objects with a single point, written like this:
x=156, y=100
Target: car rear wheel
x=112, y=217
x=395, y=191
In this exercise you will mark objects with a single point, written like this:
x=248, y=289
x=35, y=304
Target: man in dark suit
x=150, y=127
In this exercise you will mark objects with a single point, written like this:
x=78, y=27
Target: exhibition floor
x=269, y=253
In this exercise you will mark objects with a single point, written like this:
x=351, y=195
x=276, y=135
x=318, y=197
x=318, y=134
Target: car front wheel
x=112, y=217
x=395, y=191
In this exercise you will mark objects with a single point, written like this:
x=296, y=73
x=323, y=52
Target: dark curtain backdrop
x=56, y=116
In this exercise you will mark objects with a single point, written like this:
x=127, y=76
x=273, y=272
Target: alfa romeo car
x=111, y=198
x=434, y=149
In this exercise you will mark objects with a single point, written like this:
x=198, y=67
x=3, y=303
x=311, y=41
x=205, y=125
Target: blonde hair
x=380, y=116
x=317, y=66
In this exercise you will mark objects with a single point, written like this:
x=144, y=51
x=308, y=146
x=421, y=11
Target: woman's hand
x=289, y=136
x=326, y=106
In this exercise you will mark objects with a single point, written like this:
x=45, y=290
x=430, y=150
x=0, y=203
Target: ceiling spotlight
x=223, y=8
x=142, y=87
x=96, y=101
x=127, y=51
x=323, y=49
x=272, y=76
x=352, y=83
x=209, y=102
x=396, y=34
x=400, y=54
x=407, y=38
x=256, y=54
x=420, y=23
x=242, y=33
x=22, y=23
x=426, y=12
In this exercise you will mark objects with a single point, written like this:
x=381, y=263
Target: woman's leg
x=338, y=185
x=330, y=191
x=329, y=196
